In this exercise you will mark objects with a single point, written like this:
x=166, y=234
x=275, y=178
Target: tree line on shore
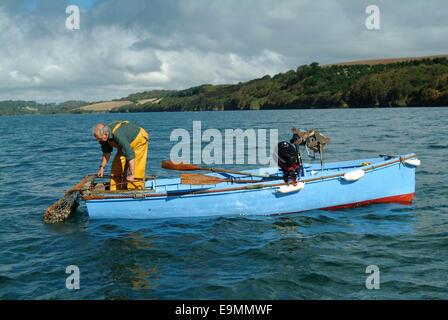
x=421, y=82
x=410, y=83
x=22, y=107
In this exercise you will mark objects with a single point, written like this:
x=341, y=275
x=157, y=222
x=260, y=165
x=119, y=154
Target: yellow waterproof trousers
x=119, y=165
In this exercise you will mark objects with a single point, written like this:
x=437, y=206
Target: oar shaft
x=200, y=179
x=172, y=165
x=236, y=172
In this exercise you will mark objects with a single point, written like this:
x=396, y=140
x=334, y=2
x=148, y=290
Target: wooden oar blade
x=174, y=165
x=199, y=179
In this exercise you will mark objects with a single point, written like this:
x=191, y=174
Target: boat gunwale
x=250, y=187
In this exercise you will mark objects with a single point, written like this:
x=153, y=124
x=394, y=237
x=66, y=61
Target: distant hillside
x=148, y=95
x=105, y=106
x=410, y=82
x=421, y=81
x=20, y=107
x=386, y=61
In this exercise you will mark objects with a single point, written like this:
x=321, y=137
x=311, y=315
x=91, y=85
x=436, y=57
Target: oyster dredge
x=293, y=186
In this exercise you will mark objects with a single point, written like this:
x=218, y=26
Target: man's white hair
x=96, y=130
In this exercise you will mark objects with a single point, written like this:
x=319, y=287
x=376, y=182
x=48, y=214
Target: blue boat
x=383, y=179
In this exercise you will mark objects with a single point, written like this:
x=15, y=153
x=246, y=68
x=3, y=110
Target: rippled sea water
x=312, y=255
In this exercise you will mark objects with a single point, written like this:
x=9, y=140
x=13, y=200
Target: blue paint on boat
x=386, y=179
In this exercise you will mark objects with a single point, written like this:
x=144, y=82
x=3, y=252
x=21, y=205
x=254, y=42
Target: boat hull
x=385, y=180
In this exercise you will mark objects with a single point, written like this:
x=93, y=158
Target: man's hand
x=130, y=177
x=104, y=161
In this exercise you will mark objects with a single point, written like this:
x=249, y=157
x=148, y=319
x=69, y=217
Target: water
x=313, y=255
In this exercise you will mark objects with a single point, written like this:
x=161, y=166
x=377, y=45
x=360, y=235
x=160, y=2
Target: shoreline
x=261, y=110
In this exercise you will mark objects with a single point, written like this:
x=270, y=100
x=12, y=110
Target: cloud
x=129, y=46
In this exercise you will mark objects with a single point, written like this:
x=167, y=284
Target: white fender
x=291, y=188
x=413, y=162
x=353, y=175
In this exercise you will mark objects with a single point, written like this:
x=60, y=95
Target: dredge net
x=62, y=208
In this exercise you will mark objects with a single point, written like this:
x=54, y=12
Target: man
x=132, y=144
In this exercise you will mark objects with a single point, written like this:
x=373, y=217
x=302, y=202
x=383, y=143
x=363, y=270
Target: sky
x=128, y=46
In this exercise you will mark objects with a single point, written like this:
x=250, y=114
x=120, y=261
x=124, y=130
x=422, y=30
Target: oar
x=201, y=179
x=173, y=165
